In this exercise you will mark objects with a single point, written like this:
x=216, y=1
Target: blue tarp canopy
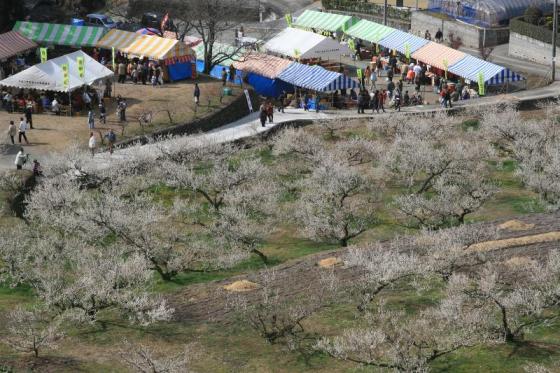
x=179, y=71
x=268, y=87
x=399, y=41
x=470, y=67
x=216, y=71
x=316, y=78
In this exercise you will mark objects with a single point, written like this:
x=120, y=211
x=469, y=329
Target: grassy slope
x=232, y=347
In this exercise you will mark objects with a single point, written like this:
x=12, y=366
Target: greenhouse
x=487, y=13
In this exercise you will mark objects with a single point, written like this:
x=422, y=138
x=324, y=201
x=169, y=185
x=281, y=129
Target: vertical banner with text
x=81, y=67
x=44, y=56
x=65, y=75
x=481, y=84
x=445, y=65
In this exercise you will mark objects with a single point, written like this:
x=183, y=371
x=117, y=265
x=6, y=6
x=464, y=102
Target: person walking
x=282, y=101
x=12, y=130
x=121, y=70
x=447, y=98
x=102, y=112
x=262, y=115
x=381, y=100
x=270, y=111
x=224, y=76
x=91, y=120
x=373, y=79
x=37, y=169
x=439, y=36
x=361, y=102
x=375, y=102
x=196, y=94
x=123, y=105
x=92, y=143
x=232, y=72
x=111, y=139
x=21, y=159
x=397, y=100
x=22, y=129
x=29, y=114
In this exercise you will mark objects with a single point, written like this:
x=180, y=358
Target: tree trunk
x=263, y=257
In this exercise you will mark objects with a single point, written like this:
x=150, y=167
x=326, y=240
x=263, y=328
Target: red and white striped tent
x=13, y=43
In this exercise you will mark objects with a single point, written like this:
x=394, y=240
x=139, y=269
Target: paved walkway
x=250, y=125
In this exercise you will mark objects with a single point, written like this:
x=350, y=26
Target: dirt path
x=208, y=302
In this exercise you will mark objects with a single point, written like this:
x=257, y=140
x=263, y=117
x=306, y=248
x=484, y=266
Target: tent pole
x=70, y=102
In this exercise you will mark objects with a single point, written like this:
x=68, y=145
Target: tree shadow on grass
x=535, y=350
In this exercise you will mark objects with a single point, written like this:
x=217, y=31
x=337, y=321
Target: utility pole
x=554, y=32
x=385, y=13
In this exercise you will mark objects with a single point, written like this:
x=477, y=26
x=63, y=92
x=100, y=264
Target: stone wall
x=472, y=36
x=530, y=49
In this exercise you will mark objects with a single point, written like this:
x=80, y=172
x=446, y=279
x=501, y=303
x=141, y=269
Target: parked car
x=153, y=20
x=100, y=20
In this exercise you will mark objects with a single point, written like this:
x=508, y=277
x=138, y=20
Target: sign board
x=249, y=103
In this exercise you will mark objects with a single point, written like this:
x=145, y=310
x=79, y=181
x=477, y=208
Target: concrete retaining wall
x=229, y=114
x=530, y=49
x=472, y=36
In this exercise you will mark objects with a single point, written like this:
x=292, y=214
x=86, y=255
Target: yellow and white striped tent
x=154, y=47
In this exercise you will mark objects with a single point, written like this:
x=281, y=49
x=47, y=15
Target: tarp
x=268, y=87
x=321, y=21
x=399, y=40
x=48, y=76
x=305, y=45
x=216, y=71
x=56, y=34
x=438, y=55
x=179, y=71
x=506, y=75
x=12, y=43
x=369, y=31
x=154, y=47
x=263, y=65
x=316, y=78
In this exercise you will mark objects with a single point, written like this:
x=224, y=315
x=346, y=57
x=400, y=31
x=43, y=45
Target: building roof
x=263, y=65
x=12, y=43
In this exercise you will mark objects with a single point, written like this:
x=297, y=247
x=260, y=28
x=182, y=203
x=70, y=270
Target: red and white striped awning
x=12, y=43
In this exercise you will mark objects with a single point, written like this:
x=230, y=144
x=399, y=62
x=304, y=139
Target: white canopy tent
x=305, y=45
x=48, y=76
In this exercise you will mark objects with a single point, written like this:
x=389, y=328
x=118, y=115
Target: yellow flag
x=481, y=82
x=81, y=66
x=43, y=54
x=407, y=50
x=65, y=75
x=288, y=19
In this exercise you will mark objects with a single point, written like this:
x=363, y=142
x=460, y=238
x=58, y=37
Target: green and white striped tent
x=57, y=34
x=369, y=31
x=320, y=21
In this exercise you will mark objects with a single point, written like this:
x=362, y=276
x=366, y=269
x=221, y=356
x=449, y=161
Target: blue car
x=100, y=20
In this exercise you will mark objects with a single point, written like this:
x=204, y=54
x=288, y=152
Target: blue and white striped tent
x=470, y=67
x=316, y=78
x=398, y=40
x=506, y=75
